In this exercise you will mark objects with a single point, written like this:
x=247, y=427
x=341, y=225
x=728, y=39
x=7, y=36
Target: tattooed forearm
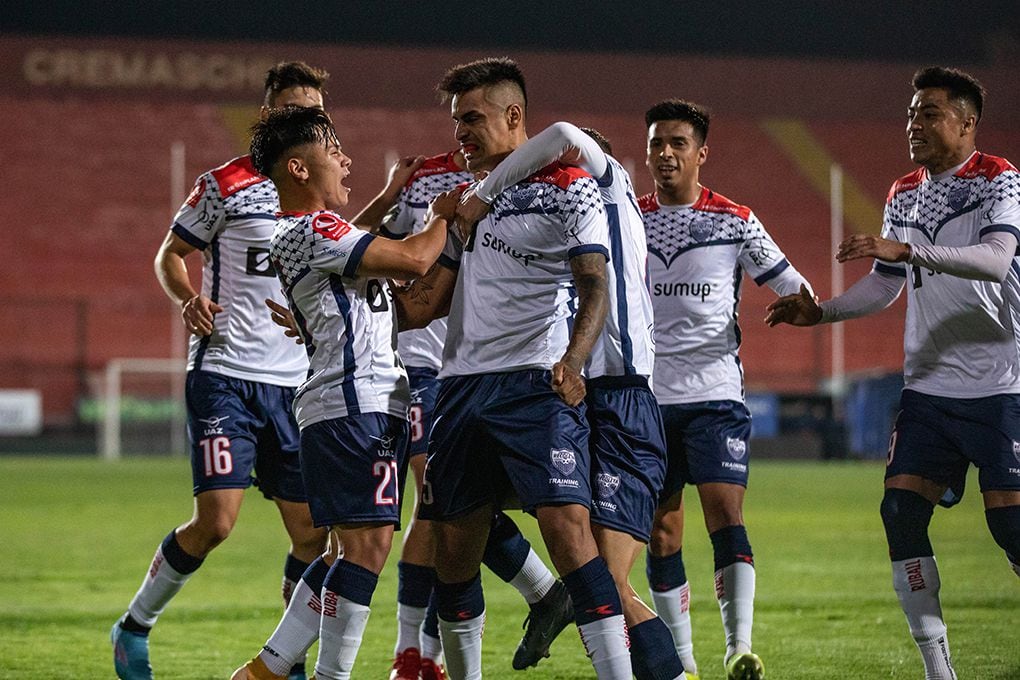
x=424, y=299
x=593, y=304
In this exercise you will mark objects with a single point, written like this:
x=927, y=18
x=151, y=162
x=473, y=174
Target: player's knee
x=906, y=515
x=368, y=549
x=309, y=541
x=1004, y=523
x=666, y=536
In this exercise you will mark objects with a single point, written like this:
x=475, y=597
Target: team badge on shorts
x=563, y=460
x=958, y=196
x=1016, y=451
x=523, y=195
x=608, y=484
x=702, y=228
x=736, y=447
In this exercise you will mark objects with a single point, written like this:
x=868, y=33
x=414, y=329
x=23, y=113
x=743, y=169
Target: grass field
x=77, y=535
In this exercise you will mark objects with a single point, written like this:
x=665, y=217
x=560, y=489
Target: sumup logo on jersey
x=608, y=484
x=958, y=196
x=736, y=447
x=702, y=228
x=563, y=460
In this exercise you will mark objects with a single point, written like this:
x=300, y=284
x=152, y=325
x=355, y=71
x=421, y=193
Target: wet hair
x=959, y=85
x=286, y=128
x=289, y=74
x=600, y=138
x=680, y=109
x=482, y=73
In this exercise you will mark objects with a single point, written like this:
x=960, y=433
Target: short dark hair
x=285, y=128
x=958, y=84
x=599, y=138
x=482, y=73
x=289, y=74
x=681, y=109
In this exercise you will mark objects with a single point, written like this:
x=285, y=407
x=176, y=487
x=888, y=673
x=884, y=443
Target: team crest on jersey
x=196, y=194
x=523, y=195
x=563, y=460
x=736, y=447
x=330, y=226
x=958, y=196
x=608, y=484
x=702, y=228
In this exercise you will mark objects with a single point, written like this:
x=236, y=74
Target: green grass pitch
x=76, y=536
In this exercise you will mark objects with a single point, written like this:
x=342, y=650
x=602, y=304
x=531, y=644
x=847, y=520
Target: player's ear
x=514, y=116
x=703, y=154
x=297, y=169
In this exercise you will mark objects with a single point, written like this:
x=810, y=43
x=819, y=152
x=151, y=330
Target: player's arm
x=873, y=293
x=413, y=256
x=197, y=311
x=589, y=270
x=427, y=298
x=561, y=142
x=989, y=260
x=373, y=215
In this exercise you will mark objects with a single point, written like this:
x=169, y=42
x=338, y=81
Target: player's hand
x=799, y=309
x=568, y=383
x=283, y=317
x=471, y=208
x=864, y=245
x=444, y=206
x=198, y=313
x=401, y=172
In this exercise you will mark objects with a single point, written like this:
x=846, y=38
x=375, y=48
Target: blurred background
x=110, y=112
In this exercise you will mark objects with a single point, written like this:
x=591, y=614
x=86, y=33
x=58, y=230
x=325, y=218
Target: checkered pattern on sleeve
x=291, y=249
x=425, y=188
x=257, y=199
x=1006, y=188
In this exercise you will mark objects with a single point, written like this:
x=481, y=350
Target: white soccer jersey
x=423, y=347
x=962, y=337
x=346, y=320
x=515, y=299
x=229, y=216
x=697, y=257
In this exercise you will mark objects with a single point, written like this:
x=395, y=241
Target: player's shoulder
x=648, y=203
x=440, y=164
x=560, y=175
x=234, y=175
x=908, y=182
x=985, y=165
x=711, y=202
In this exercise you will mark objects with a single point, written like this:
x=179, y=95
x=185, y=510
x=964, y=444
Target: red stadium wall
x=89, y=124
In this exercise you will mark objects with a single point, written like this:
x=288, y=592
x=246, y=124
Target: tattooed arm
x=589, y=272
x=424, y=299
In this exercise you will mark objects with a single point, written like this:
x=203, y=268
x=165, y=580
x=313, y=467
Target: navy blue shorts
x=628, y=454
x=239, y=426
x=424, y=388
x=500, y=434
x=707, y=442
x=354, y=468
x=938, y=438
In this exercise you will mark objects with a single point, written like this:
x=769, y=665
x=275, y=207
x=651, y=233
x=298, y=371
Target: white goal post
x=113, y=379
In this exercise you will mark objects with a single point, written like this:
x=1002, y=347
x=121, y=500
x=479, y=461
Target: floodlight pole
x=178, y=339
x=838, y=373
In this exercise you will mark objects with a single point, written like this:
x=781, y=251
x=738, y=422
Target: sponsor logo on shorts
x=385, y=445
x=606, y=505
x=563, y=460
x=608, y=484
x=738, y=467
x=736, y=447
x=212, y=425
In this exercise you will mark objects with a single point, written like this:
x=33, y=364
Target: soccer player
x=242, y=374
x=399, y=210
x=701, y=244
x=352, y=408
x=628, y=448
x=950, y=232
x=528, y=304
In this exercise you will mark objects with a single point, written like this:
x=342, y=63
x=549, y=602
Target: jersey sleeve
x=585, y=228
x=759, y=255
x=336, y=246
x=202, y=215
x=1000, y=209
x=452, y=251
x=399, y=221
x=889, y=232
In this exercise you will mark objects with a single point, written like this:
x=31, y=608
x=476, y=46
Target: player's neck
x=296, y=200
x=686, y=195
x=943, y=164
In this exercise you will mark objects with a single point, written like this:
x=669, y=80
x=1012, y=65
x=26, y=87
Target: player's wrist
x=906, y=253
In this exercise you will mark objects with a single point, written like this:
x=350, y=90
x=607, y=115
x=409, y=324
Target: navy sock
x=129, y=624
x=460, y=601
x=182, y=562
x=906, y=515
x=315, y=575
x=593, y=591
x=1004, y=523
x=667, y=572
x=431, y=625
x=652, y=653
x=730, y=545
x=414, y=584
x=351, y=582
x=294, y=568
x=507, y=549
